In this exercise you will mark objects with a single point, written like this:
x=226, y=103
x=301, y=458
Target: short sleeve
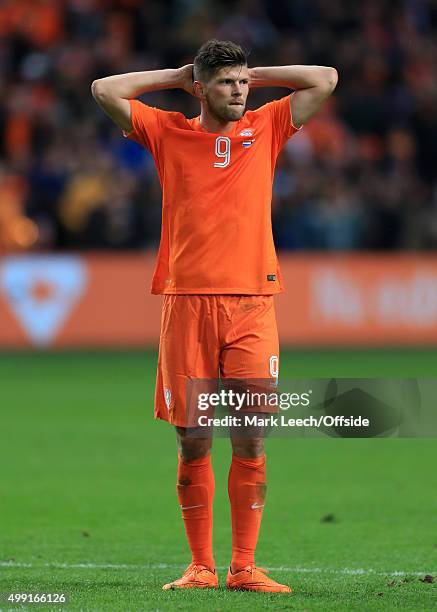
x=280, y=116
x=147, y=123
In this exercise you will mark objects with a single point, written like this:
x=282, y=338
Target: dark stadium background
x=361, y=175
x=86, y=478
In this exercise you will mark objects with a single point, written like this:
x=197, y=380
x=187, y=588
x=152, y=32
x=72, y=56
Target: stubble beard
x=226, y=113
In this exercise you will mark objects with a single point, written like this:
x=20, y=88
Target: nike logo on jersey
x=256, y=505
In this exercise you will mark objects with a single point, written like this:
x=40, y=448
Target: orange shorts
x=211, y=337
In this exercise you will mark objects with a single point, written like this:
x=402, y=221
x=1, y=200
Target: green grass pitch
x=88, y=504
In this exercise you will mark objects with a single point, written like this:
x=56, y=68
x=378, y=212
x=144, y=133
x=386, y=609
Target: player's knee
x=192, y=448
x=248, y=447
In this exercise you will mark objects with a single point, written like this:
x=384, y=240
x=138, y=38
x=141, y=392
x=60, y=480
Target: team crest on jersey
x=246, y=132
x=167, y=397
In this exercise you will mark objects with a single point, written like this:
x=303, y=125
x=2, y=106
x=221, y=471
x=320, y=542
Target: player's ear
x=199, y=89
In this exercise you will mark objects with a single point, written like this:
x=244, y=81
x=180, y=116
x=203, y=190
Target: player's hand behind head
x=186, y=73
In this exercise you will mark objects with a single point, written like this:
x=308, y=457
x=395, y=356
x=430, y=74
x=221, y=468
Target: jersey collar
x=195, y=124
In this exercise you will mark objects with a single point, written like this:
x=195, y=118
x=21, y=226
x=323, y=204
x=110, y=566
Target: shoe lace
x=253, y=568
x=195, y=567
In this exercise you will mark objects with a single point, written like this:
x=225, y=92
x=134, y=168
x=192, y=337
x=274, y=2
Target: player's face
x=226, y=93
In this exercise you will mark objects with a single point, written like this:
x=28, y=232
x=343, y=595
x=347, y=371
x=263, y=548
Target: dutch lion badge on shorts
x=167, y=397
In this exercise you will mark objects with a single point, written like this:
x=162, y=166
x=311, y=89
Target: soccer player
x=216, y=266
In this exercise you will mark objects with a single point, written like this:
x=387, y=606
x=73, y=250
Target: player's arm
x=114, y=92
x=313, y=84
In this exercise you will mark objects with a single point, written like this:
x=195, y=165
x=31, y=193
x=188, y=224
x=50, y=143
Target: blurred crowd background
x=360, y=175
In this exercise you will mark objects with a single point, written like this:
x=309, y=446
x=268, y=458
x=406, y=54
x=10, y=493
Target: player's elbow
x=97, y=89
x=331, y=79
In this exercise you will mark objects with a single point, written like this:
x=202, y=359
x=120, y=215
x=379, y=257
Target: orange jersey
x=216, y=235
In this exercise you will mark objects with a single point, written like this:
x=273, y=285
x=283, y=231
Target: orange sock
x=247, y=489
x=195, y=488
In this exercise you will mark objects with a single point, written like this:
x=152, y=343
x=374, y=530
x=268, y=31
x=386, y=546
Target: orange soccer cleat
x=253, y=578
x=196, y=576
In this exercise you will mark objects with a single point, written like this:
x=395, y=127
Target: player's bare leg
x=247, y=490
x=195, y=488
